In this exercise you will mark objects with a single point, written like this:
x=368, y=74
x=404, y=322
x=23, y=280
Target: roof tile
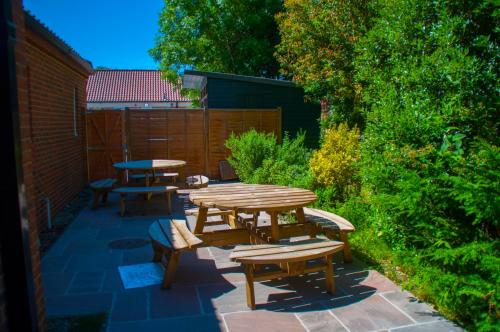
x=131, y=86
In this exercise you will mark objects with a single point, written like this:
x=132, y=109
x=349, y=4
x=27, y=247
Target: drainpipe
x=49, y=214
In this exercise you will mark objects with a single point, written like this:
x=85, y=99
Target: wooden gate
x=105, y=142
x=194, y=135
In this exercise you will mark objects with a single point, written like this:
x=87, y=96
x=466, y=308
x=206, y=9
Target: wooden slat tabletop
x=145, y=165
x=250, y=197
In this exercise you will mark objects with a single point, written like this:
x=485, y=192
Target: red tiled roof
x=130, y=86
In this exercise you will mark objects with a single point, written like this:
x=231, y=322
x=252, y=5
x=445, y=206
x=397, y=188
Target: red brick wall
x=27, y=152
x=59, y=164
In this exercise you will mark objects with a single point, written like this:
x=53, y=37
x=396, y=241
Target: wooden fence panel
x=221, y=123
x=194, y=135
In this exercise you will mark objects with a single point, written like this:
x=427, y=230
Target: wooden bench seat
x=101, y=188
x=292, y=259
x=124, y=191
x=169, y=238
x=332, y=226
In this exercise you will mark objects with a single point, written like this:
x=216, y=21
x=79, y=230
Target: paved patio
x=80, y=276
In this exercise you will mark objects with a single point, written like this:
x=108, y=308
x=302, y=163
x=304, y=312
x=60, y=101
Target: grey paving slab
x=137, y=256
x=88, y=262
x=81, y=304
x=130, y=305
x=112, y=281
x=54, y=263
x=321, y=321
x=86, y=282
x=372, y=313
x=204, y=323
x=56, y=283
x=441, y=326
x=263, y=321
x=177, y=301
x=418, y=310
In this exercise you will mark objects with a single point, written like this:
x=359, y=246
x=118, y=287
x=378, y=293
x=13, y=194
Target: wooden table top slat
x=253, y=200
x=149, y=164
x=253, y=197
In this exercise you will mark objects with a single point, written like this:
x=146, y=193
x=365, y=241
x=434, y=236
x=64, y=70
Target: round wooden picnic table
x=253, y=198
x=146, y=166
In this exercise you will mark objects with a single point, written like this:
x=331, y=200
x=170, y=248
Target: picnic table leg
x=169, y=201
x=146, y=181
x=172, y=264
x=347, y=248
x=275, y=230
x=299, y=213
x=200, y=220
x=330, y=282
x=249, y=286
x=122, y=205
x=95, y=202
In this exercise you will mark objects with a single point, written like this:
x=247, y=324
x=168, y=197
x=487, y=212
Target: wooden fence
x=194, y=135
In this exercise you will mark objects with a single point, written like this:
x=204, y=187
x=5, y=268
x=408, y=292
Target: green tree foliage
x=225, y=36
x=317, y=49
x=423, y=75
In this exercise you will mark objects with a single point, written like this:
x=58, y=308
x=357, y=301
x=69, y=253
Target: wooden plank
x=241, y=252
x=186, y=234
x=172, y=234
x=323, y=218
x=289, y=257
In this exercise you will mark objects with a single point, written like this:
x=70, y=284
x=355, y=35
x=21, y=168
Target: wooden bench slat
x=324, y=217
x=174, y=236
x=191, y=240
x=256, y=253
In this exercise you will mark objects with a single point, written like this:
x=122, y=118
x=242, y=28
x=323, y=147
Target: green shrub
x=248, y=152
x=258, y=158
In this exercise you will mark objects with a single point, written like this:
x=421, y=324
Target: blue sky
x=111, y=33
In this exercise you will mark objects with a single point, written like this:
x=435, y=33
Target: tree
x=317, y=49
x=226, y=36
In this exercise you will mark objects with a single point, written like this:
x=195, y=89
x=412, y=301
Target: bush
x=248, y=152
x=258, y=158
x=334, y=164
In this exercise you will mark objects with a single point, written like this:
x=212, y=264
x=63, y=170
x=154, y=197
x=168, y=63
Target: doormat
x=141, y=275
